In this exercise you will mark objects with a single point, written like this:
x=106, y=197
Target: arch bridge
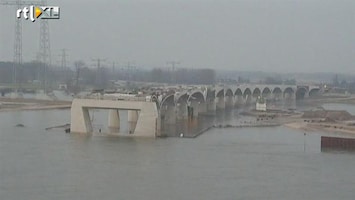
x=192, y=102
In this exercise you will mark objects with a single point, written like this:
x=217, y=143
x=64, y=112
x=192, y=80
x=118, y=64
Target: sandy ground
x=8, y=104
x=328, y=127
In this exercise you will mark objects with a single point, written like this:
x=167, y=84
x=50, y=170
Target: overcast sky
x=276, y=35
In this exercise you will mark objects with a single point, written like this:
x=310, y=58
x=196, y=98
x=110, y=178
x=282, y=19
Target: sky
x=245, y=35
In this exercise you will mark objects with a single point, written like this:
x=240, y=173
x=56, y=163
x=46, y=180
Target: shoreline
x=326, y=127
x=21, y=104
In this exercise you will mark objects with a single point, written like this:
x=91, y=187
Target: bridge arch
x=246, y=92
x=256, y=93
x=168, y=100
x=229, y=96
x=220, y=93
x=288, y=92
x=277, y=90
x=229, y=92
x=301, y=93
x=198, y=95
x=220, y=99
x=197, y=104
x=181, y=106
x=238, y=92
x=266, y=92
x=247, y=95
x=167, y=109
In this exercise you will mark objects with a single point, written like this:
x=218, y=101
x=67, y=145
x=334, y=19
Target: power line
x=44, y=47
x=173, y=68
x=99, y=80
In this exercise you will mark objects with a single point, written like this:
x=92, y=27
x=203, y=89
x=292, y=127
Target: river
x=252, y=163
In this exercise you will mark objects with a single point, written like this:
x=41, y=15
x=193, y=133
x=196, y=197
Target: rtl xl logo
x=36, y=12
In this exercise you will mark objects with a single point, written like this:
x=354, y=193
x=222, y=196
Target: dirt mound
x=338, y=115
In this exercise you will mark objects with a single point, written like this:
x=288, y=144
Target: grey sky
x=276, y=35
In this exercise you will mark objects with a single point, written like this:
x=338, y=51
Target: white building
x=260, y=104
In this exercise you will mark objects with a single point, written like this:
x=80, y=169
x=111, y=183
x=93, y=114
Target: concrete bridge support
x=211, y=105
x=202, y=107
x=248, y=99
x=195, y=108
x=220, y=103
x=114, y=119
x=147, y=121
x=170, y=115
x=181, y=110
x=239, y=100
x=229, y=102
x=132, y=116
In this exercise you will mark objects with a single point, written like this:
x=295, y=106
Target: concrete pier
x=132, y=116
x=114, y=119
x=147, y=120
x=181, y=110
x=195, y=108
x=211, y=105
x=220, y=103
x=170, y=116
x=229, y=102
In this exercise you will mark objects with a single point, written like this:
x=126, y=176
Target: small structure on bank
x=260, y=104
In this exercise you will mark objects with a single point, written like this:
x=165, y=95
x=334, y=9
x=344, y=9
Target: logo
x=39, y=12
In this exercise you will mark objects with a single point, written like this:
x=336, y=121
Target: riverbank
x=322, y=127
x=17, y=104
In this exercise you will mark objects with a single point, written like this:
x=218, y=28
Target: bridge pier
x=132, y=116
x=195, y=108
x=220, y=103
x=229, y=102
x=248, y=99
x=211, y=105
x=146, y=124
x=239, y=101
x=182, y=110
x=86, y=126
x=114, y=119
x=202, y=107
x=170, y=116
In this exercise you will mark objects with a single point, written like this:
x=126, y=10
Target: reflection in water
x=192, y=127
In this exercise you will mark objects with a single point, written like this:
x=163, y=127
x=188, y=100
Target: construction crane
x=44, y=46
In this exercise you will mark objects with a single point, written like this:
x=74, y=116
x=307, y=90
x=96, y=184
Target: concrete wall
x=145, y=113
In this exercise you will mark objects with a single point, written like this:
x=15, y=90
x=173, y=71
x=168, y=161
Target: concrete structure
x=196, y=101
x=144, y=114
x=260, y=104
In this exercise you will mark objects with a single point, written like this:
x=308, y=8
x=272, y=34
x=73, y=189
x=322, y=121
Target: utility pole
x=173, y=68
x=98, y=72
x=78, y=65
x=44, y=33
x=63, y=65
x=129, y=69
x=45, y=48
